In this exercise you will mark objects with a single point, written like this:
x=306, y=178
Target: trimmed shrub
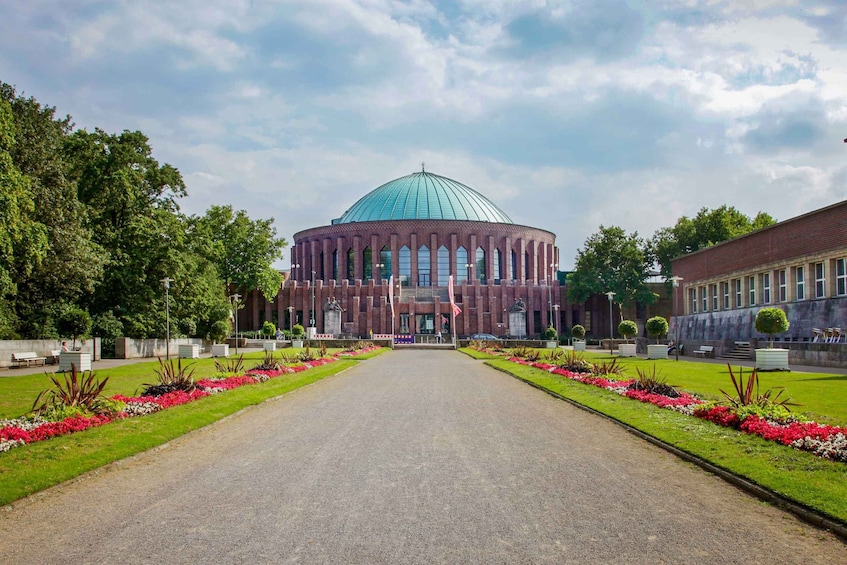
x=657, y=326
x=771, y=321
x=578, y=331
x=627, y=329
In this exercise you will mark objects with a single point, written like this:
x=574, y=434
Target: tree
x=611, y=260
x=74, y=322
x=578, y=331
x=708, y=228
x=243, y=250
x=627, y=328
x=657, y=326
x=771, y=321
x=550, y=334
x=268, y=329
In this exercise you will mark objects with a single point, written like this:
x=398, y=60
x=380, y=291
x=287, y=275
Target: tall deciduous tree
x=704, y=230
x=613, y=261
x=243, y=250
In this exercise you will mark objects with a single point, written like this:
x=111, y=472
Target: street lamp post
x=676, y=280
x=556, y=318
x=234, y=299
x=312, y=312
x=290, y=320
x=378, y=277
x=553, y=267
x=469, y=266
x=611, y=295
x=167, y=282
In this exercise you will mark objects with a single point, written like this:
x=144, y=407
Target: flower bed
x=21, y=431
x=829, y=442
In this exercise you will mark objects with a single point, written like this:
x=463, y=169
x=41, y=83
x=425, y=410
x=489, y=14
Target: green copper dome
x=423, y=196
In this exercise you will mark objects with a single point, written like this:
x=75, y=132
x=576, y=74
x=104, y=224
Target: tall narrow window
x=713, y=290
x=820, y=281
x=766, y=288
x=751, y=291
x=692, y=298
x=335, y=265
x=480, y=264
x=495, y=267
x=782, y=283
x=461, y=264
x=725, y=293
x=404, y=261
x=385, y=261
x=443, y=265
x=526, y=266
x=351, y=265
x=367, y=264
x=321, y=266
x=841, y=277
x=800, y=283
x=738, y=295
x=514, y=265
x=424, y=268
x=704, y=298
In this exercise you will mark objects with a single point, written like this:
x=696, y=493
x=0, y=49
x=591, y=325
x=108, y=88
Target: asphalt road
x=411, y=457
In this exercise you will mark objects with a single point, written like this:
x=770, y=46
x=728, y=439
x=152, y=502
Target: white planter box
x=551, y=344
x=657, y=351
x=296, y=343
x=81, y=360
x=579, y=345
x=189, y=351
x=269, y=346
x=772, y=359
x=220, y=350
x=626, y=350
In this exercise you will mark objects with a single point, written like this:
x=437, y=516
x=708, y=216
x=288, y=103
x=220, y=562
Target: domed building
x=398, y=246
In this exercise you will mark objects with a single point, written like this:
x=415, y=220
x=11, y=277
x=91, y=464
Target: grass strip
x=798, y=476
x=29, y=469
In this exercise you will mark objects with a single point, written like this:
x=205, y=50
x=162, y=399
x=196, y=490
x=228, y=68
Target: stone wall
x=129, y=348
x=43, y=348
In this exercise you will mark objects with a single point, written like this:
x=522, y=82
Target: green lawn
x=799, y=476
x=29, y=469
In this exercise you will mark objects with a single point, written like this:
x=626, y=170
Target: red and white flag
x=456, y=309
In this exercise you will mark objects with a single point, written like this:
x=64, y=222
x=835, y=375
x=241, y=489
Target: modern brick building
x=417, y=230
x=799, y=265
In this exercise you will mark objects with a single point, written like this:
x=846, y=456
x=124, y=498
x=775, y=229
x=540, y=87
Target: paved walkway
x=410, y=457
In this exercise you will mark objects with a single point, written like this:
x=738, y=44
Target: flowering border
x=22, y=431
x=829, y=442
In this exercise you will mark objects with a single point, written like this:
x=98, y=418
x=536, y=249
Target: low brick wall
x=129, y=348
x=43, y=348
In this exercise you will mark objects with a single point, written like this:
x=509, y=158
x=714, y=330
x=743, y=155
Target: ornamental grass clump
x=607, y=368
x=747, y=401
x=653, y=382
x=269, y=363
x=231, y=366
x=306, y=355
x=79, y=394
x=171, y=379
x=574, y=362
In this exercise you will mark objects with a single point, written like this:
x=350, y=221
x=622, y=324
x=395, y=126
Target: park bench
x=54, y=356
x=705, y=351
x=27, y=358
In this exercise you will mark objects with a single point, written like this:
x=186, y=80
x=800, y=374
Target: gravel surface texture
x=410, y=457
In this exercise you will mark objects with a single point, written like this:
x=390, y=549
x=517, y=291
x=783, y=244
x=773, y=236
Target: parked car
x=485, y=337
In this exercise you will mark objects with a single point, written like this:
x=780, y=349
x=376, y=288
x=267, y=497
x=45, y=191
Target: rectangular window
x=692, y=298
x=820, y=281
x=713, y=291
x=738, y=293
x=766, y=288
x=704, y=298
x=800, y=283
x=725, y=293
x=782, y=281
x=841, y=277
x=751, y=291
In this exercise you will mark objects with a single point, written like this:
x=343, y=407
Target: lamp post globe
x=611, y=296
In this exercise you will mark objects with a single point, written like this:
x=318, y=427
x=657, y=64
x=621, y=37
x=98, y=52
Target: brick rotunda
x=417, y=230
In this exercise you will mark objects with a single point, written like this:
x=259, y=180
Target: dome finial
x=423, y=170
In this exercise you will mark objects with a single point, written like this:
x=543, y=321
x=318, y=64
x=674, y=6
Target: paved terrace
x=410, y=457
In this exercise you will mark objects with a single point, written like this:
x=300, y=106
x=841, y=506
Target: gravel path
x=411, y=457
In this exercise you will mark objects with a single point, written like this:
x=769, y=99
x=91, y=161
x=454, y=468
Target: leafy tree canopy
x=613, y=261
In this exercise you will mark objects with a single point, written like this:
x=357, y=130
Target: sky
x=568, y=115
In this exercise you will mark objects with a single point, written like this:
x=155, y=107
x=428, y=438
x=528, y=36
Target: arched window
x=351, y=265
x=514, y=269
x=495, y=267
x=405, y=263
x=526, y=265
x=367, y=264
x=424, y=269
x=385, y=260
x=443, y=265
x=335, y=265
x=480, y=264
x=461, y=264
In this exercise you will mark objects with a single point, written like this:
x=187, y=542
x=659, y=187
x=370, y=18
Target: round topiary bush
x=627, y=329
x=268, y=329
x=297, y=331
x=771, y=321
x=550, y=334
x=578, y=331
x=657, y=326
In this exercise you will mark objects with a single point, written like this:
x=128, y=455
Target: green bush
x=578, y=332
x=771, y=321
x=627, y=329
x=268, y=329
x=550, y=334
x=220, y=331
x=298, y=331
x=657, y=326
